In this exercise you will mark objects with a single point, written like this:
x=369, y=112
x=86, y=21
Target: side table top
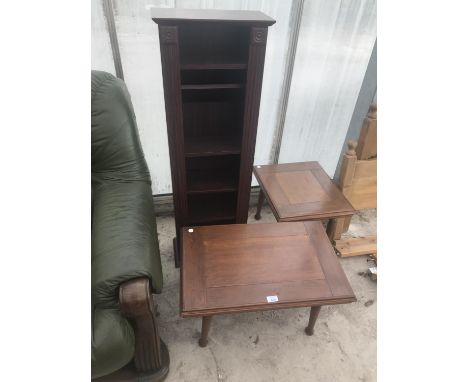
x=251, y=267
x=301, y=191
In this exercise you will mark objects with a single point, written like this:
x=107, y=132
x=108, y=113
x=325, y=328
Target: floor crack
x=341, y=349
x=219, y=377
x=168, y=303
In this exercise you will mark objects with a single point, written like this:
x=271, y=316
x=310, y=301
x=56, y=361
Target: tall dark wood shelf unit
x=212, y=66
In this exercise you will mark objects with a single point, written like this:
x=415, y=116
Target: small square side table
x=252, y=267
x=301, y=192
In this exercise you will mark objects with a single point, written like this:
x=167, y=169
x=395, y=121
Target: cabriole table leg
x=206, y=321
x=314, y=312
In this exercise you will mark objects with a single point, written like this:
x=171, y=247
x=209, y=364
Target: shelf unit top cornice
x=168, y=16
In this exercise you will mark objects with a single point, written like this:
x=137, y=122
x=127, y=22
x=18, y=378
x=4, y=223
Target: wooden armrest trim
x=136, y=303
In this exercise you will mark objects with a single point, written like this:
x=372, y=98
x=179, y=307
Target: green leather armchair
x=126, y=266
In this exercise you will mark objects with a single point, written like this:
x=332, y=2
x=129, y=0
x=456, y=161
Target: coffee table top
x=240, y=267
x=301, y=191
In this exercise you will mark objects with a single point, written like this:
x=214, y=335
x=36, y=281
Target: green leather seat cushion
x=112, y=343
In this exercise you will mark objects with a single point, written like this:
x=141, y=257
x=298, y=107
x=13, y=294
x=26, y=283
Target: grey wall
x=367, y=95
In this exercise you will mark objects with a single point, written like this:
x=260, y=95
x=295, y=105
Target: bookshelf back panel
x=213, y=43
x=208, y=113
x=213, y=76
x=210, y=175
x=212, y=208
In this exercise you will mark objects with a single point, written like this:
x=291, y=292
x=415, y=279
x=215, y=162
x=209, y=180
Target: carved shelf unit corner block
x=212, y=67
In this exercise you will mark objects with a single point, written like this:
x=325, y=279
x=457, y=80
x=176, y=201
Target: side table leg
x=314, y=312
x=206, y=321
x=261, y=199
x=334, y=229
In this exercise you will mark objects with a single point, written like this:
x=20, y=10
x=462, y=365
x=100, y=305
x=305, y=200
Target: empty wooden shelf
x=211, y=86
x=212, y=146
x=209, y=66
x=212, y=181
x=212, y=66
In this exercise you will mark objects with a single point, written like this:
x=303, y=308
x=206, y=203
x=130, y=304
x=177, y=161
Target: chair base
x=128, y=373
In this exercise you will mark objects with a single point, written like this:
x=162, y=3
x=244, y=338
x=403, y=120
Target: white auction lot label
x=272, y=298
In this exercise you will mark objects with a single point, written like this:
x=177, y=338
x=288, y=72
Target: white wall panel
x=101, y=51
x=141, y=61
x=334, y=47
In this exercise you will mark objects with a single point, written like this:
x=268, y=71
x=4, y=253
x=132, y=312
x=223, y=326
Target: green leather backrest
x=115, y=146
x=124, y=237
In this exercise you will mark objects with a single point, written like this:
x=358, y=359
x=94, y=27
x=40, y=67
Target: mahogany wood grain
x=212, y=63
x=301, y=191
x=212, y=146
x=213, y=66
x=257, y=49
x=206, y=322
x=314, y=312
x=170, y=63
x=212, y=181
x=335, y=227
x=171, y=15
x=233, y=268
x=211, y=86
x=261, y=199
x=336, y=278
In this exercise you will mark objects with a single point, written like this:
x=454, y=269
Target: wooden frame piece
x=357, y=246
x=136, y=303
x=358, y=177
x=367, y=144
x=151, y=359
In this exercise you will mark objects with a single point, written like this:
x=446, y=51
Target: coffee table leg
x=261, y=199
x=206, y=321
x=314, y=312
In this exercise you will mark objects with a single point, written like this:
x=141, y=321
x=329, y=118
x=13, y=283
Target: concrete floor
x=272, y=346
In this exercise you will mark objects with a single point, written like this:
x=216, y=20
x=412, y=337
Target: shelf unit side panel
x=256, y=60
x=170, y=62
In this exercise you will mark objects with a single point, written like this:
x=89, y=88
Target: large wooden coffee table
x=252, y=267
x=299, y=192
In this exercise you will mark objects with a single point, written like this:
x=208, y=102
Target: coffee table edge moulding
x=270, y=306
